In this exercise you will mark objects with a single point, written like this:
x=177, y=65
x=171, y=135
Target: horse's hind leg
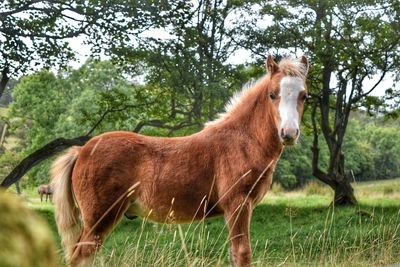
x=95, y=232
x=89, y=242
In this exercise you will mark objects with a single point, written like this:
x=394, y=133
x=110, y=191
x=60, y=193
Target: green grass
x=287, y=229
x=386, y=192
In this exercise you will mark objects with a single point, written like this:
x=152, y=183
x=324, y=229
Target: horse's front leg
x=238, y=215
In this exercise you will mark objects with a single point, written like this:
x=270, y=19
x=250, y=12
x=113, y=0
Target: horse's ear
x=304, y=61
x=271, y=65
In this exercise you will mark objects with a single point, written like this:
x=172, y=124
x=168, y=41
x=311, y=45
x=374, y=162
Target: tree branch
x=160, y=124
x=105, y=113
x=39, y=155
x=49, y=150
x=20, y=9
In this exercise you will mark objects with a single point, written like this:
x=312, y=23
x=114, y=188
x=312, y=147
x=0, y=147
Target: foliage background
x=70, y=103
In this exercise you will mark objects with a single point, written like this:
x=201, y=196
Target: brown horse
x=46, y=190
x=225, y=169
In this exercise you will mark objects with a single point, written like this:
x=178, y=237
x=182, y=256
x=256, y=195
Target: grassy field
x=288, y=229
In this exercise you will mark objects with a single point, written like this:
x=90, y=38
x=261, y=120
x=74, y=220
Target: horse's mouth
x=289, y=142
x=289, y=139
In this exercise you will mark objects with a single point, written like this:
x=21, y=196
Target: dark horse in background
x=225, y=169
x=46, y=190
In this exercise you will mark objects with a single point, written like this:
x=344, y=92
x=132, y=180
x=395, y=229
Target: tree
x=349, y=43
x=190, y=64
x=35, y=33
x=364, y=45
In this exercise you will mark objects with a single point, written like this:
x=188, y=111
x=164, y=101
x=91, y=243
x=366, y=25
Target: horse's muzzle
x=289, y=138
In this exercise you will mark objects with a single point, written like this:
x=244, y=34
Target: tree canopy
x=37, y=33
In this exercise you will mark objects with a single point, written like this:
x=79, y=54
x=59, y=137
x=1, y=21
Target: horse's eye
x=272, y=95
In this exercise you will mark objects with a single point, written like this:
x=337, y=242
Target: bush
x=288, y=181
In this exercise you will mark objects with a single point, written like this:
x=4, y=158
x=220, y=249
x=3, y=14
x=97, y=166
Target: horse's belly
x=174, y=213
x=174, y=198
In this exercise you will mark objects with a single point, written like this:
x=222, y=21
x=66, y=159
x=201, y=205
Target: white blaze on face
x=290, y=89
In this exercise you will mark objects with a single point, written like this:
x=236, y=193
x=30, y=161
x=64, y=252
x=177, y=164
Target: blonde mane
x=235, y=100
x=292, y=67
x=288, y=66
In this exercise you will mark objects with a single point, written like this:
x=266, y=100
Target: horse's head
x=287, y=92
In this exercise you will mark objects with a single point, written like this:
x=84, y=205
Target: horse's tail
x=67, y=213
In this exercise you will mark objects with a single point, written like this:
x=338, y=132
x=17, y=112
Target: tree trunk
x=4, y=79
x=173, y=104
x=211, y=111
x=197, y=105
x=3, y=134
x=335, y=177
x=344, y=193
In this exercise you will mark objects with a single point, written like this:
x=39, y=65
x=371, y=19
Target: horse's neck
x=254, y=118
x=262, y=126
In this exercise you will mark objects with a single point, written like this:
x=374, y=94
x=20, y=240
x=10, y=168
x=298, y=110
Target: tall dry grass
x=372, y=240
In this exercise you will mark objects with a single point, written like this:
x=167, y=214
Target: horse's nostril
x=287, y=137
x=289, y=134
